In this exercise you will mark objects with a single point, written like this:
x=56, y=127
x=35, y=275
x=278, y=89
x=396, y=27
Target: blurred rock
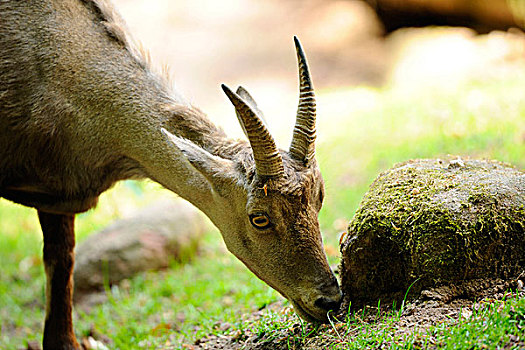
x=33, y=345
x=480, y=15
x=434, y=222
x=150, y=240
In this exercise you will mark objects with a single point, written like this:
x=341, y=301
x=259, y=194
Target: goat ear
x=212, y=167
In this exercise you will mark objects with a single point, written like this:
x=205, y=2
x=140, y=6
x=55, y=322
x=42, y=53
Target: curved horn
x=268, y=160
x=303, y=141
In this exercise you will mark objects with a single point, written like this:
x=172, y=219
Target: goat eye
x=260, y=220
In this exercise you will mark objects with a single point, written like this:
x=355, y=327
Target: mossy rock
x=435, y=222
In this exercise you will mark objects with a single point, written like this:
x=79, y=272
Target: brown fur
x=59, y=242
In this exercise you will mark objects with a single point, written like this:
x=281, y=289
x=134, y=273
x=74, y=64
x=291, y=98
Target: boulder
x=149, y=240
x=481, y=15
x=433, y=222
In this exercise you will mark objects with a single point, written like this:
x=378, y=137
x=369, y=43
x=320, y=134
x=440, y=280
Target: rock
x=150, y=240
x=33, y=345
x=427, y=223
x=481, y=15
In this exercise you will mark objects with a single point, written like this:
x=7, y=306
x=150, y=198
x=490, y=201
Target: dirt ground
x=444, y=305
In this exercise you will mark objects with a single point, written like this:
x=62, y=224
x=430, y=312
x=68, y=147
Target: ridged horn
x=268, y=160
x=303, y=140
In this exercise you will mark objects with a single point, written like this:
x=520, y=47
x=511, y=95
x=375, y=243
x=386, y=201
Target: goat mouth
x=307, y=315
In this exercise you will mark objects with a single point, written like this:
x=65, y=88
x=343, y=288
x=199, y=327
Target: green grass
x=146, y=310
x=487, y=325
x=155, y=305
x=496, y=324
x=186, y=302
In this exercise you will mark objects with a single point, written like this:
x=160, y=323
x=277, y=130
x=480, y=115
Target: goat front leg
x=59, y=258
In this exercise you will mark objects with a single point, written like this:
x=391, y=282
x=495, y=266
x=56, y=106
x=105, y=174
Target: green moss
x=439, y=221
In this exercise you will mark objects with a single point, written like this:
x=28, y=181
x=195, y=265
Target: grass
x=215, y=293
x=495, y=324
x=489, y=324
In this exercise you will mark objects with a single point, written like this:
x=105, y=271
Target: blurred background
x=349, y=43
x=394, y=79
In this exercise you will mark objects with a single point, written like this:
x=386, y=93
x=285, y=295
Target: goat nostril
x=328, y=304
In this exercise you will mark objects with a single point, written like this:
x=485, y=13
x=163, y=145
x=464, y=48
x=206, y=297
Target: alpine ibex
x=81, y=108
